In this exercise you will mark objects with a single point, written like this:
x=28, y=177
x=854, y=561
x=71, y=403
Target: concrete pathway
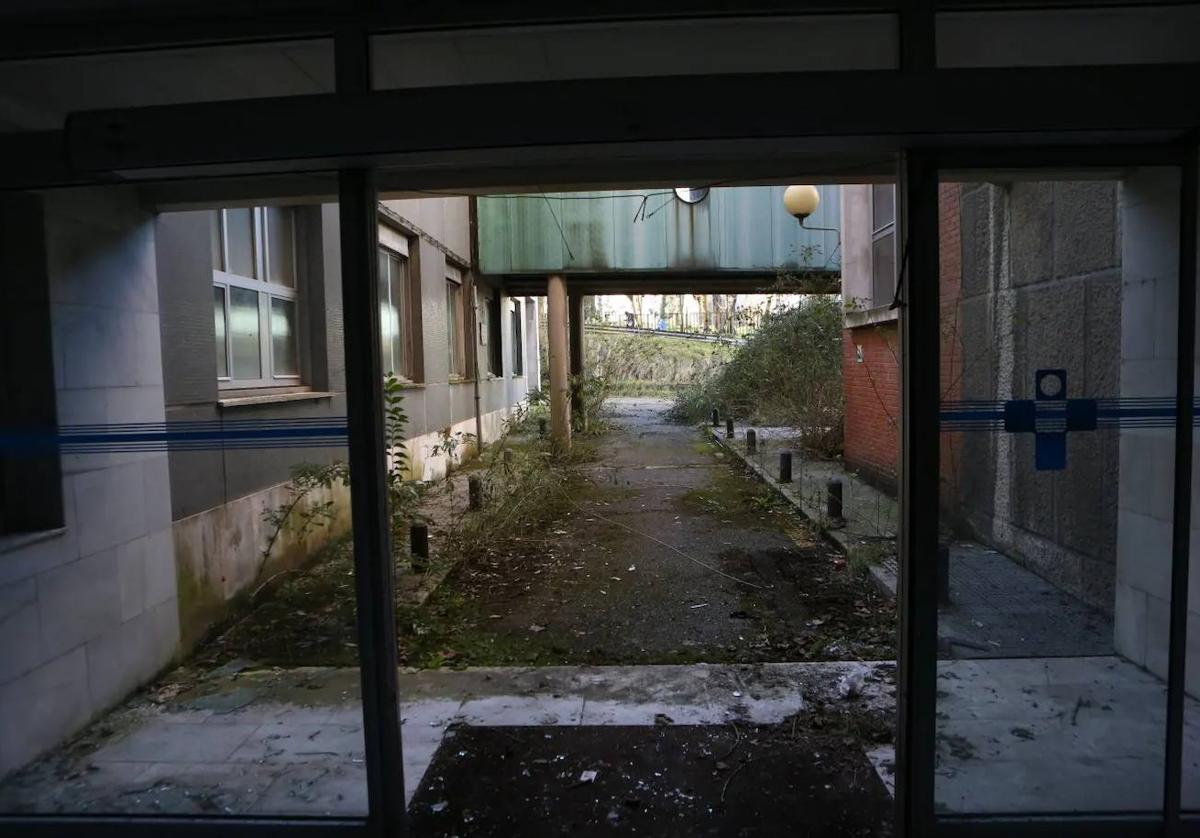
x=672, y=555
x=1055, y=735
x=1050, y=734
x=997, y=608
x=291, y=742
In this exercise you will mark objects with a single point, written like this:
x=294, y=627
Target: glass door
x=1058, y=340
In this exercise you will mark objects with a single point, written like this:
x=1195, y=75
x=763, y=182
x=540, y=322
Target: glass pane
x=652, y=48
x=1058, y=381
x=1191, y=736
x=454, y=326
x=188, y=647
x=239, y=233
x=883, y=270
x=41, y=92
x=218, y=258
x=518, y=347
x=883, y=205
x=281, y=245
x=219, y=328
x=400, y=324
x=244, y=332
x=284, y=337
x=387, y=315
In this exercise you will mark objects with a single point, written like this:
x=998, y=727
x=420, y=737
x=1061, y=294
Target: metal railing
x=739, y=324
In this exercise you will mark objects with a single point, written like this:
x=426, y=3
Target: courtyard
x=677, y=647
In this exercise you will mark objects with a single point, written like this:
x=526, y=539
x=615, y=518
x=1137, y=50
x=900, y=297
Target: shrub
x=789, y=372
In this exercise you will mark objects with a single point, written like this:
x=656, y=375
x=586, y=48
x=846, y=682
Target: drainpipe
x=475, y=378
x=473, y=230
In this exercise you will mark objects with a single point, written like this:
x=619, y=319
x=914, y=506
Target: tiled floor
x=999, y=609
x=304, y=755
x=1056, y=735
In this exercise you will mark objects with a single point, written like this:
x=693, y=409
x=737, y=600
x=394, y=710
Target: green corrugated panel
x=536, y=241
x=734, y=228
x=640, y=233
x=790, y=240
x=747, y=227
x=692, y=240
x=588, y=234
x=495, y=234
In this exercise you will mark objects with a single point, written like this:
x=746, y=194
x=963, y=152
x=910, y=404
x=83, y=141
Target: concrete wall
x=856, y=246
x=219, y=497
x=1030, y=279
x=1149, y=303
x=89, y=612
x=445, y=221
x=1041, y=288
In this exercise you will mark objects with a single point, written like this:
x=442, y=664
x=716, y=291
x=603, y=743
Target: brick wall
x=872, y=386
x=872, y=392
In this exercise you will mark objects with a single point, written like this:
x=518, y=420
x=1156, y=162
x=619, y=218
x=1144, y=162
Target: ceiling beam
x=45, y=32
x=323, y=132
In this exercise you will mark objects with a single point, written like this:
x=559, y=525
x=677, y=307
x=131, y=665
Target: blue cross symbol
x=1050, y=416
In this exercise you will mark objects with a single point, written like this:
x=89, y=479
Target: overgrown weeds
x=789, y=373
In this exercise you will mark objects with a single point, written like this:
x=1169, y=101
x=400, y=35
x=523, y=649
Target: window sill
x=871, y=316
x=253, y=397
x=410, y=385
x=16, y=541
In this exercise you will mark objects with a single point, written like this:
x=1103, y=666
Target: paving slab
x=174, y=741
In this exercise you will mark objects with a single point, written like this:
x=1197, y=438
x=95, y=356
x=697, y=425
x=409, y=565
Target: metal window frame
x=516, y=314
x=456, y=327
x=357, y=195
x=878, y=233
x=405, y=369
x=921, y=172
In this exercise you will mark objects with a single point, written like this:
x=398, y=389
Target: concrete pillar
x=560, y=386
x=576, y=340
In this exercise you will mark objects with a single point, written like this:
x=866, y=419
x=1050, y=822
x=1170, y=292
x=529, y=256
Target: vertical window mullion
x=228, y=336
x=223, y=220
x=266, y=245
x=264, y=335
x=260, y=244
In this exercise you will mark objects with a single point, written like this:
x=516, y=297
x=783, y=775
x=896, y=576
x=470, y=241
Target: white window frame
x=266, y=291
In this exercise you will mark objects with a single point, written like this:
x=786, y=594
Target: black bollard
x=751, y=441
x=418, y=545
x=716, y=418
x=833, y=500
x=729, y=427
x=943, y=563
x=785, y=466
x=474, y=492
